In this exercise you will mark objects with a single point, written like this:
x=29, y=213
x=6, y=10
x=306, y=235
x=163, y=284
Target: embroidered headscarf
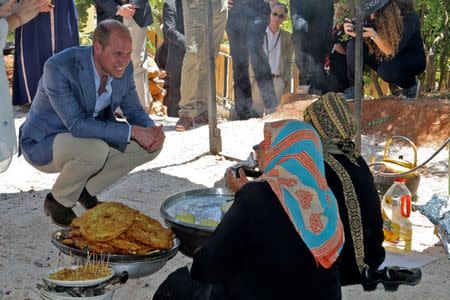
x=292, y=163
x=332, y=118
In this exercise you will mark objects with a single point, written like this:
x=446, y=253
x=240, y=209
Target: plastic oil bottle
x=396, y=209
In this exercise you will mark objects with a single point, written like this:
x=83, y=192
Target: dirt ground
x=185, y=163
x=423, y=121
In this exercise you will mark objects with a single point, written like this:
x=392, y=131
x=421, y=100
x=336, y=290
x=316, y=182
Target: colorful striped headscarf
x=292, y=163
x=332, y=118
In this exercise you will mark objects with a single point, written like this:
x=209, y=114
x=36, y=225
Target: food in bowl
x=86, y=272
x=115, y=228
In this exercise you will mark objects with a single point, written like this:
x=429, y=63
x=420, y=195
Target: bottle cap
x=400, y=179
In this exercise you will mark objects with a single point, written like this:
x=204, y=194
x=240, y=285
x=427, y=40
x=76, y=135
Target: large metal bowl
x=135, y=265
x=192, y=236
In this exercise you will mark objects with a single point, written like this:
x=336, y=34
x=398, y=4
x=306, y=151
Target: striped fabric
x=292, y=163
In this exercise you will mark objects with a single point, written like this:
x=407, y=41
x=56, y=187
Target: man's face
x=113, y=58
x=277, y=15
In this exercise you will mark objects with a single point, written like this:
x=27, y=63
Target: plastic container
x=396, y=209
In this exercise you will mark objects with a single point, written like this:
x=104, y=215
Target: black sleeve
x=139, y=3
x=108, y=6
x=171, y=31
x=221, y=255
x=410, y=27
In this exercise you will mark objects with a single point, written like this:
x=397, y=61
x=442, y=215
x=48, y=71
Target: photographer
x=393, y=46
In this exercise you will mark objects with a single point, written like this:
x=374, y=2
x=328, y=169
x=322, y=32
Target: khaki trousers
x=258, y=104
x=194, y=73
x=90, y=163
x=139, y=60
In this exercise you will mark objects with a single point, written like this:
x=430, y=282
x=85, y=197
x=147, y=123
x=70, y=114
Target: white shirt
x=104, y=99
x=272, y=48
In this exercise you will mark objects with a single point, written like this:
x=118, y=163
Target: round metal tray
x=135, y=265
x=192, y=236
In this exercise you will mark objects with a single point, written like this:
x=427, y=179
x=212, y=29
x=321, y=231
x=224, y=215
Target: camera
x=367, y=22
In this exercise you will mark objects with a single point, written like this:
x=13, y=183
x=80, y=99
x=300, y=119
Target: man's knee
x=95, y=154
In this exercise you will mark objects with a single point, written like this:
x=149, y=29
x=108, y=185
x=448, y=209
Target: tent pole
x=215, y=141
x=358, y=70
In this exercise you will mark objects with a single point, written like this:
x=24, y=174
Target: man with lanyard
x=279, y=51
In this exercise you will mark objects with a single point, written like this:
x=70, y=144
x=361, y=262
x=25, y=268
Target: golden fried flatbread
x=76, y=222
x=106, y=221
x=150, y=232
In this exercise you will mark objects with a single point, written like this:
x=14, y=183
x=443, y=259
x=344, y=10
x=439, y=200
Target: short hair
x=104, y=30
x=273, y=5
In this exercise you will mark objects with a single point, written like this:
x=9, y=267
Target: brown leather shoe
x=61, y=215
x=184, y=123
x=88, y=201
x=202, y=118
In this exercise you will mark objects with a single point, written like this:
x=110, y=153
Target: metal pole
x=358, y=70
x=215, y=141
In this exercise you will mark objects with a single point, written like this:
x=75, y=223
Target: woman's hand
x=27, y=10
x=7, y=8
x=349, y=28
x=234, y=183
x=369, y=32
x=47, y=8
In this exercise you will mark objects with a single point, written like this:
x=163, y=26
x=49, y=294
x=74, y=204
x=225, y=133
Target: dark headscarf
x=332, y=118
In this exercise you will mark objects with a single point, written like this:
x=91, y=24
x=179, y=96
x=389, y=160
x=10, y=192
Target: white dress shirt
x=272, y=48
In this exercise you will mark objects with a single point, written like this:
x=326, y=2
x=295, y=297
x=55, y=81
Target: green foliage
x=433, y=17
x=82, y=7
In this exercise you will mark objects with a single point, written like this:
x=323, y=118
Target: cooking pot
x=397, y=166
x=193, y=235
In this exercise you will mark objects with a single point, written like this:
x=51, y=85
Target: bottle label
x=391, y=230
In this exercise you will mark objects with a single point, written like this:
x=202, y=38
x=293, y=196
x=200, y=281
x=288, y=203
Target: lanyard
x=267, y=43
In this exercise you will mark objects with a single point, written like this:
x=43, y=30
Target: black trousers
x=401, y=70
x=312, y=21
x=173, y=69
x=246, y=31
x=336, y=78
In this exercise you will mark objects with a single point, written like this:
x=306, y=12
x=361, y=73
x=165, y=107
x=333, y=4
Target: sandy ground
x=185, y=163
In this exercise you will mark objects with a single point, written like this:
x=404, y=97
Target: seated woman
x=352, y=183
x=281, y=237
x=393, y=46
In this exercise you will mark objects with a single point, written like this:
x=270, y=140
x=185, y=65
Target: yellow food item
x=106, y=221
x=150, y=232
x=186, y=217
x=115, y=228
x=86, y=272
x=209, y=222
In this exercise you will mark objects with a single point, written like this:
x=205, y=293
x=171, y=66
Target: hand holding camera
x=368, y=28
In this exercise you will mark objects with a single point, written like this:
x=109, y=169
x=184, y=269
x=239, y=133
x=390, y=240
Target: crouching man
x=71, y=128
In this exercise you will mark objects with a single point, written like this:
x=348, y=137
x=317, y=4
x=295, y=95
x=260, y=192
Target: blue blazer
x=65, y=102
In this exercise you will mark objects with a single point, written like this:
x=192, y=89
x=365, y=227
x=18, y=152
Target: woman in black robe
x=281, y=237
x=352, y=183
